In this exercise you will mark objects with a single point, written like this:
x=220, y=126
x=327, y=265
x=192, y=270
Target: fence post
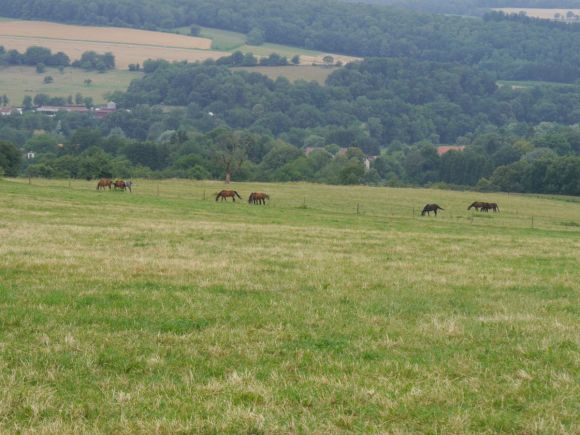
x=304, y=205
x=532, y=222
x=69, y=184
x=157, y=189
x=203, y=194
x=357, y=207
x=413, y=211
x=29, y=180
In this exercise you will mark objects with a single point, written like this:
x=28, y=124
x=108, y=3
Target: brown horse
x=490, y=206
x=431, y=208
x=104, y=182
x=225, y=194
x=258, y=198
x=119, y=184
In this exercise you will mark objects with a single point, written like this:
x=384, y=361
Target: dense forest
x=396, y=110
x=509, y=49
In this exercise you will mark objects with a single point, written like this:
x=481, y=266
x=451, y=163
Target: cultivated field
x=160, y=311
x=128, y=45
x=309, y=73
x=132, y=46
x=18, y=81
x=546, y=14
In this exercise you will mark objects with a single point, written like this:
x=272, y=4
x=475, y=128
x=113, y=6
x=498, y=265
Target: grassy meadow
x=18, y=81
x=318, y=74
x=165, y=311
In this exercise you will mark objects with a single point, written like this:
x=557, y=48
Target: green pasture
x=329, y=310
x=18, y=81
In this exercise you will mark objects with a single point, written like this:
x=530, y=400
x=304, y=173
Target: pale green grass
x=18, y=81
x=284, y=50
x=223, y=40
x=309, y=73
x=232, y=41
x=162, y=311
x=530, y=83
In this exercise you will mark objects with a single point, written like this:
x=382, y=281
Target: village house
x=5, y=111
x=446, y=148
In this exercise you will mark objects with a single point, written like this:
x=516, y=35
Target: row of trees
x=519, y=157
x=42, y=56
x=510, y=49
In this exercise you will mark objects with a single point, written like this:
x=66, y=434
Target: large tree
x=9, y=159
x=230, y=151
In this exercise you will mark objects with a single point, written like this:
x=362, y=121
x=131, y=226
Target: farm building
x=446, y=148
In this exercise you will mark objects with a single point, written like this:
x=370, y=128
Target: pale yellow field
x=128, y=45
x=48, y=30
x=546, y=14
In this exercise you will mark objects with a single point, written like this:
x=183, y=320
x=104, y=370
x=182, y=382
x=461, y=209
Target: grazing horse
x=431, y=208
x=476, y=205
x=104, y=182
x=119, y=184
x=490, y=206
x=225, y=194
x=258, y=198
x=129, y=185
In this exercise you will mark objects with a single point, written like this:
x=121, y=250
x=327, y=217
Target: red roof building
x=446, y=148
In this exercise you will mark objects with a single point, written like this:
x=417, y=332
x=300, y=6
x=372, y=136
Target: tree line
x=511, y=50
x=42, y=57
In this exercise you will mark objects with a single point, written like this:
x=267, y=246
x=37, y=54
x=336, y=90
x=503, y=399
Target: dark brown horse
x=490, y=206
x=104, y=182
x=258, y=198
x=484, y=206
x=119, y=185
x=225, y=194
x=476, y=205
x=431, y=208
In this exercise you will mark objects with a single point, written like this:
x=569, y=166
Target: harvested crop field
x=128, y=45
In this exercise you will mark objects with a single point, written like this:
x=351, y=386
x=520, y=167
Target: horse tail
x=440, y=208
x=237, y=194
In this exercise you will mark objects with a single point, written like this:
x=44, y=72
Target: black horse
x=431, y=208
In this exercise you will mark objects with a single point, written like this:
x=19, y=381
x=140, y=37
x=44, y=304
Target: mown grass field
x=309, y=73
x=232, y=41
x=524, y=84
x=18, y=81
x=160, y=311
